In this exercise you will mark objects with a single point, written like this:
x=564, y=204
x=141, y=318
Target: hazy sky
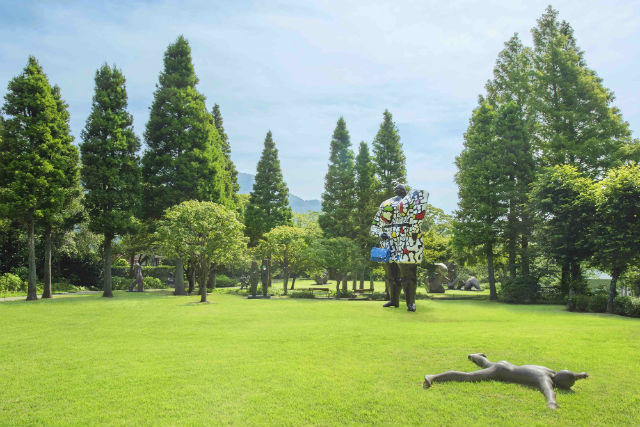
x=295, y=67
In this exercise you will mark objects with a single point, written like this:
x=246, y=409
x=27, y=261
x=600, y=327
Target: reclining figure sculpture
x=541, y=377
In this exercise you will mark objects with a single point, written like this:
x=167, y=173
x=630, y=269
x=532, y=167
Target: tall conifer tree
x=38, y=162
x=339, y=196
x=482, y=183
x=184, y=160
x=232, y=187
x=110, y=170
x=268, y=205
x=389, y=157
x=577, y=123
x=366, y=203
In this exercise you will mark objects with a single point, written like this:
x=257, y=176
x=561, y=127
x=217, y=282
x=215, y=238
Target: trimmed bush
x=120, y=262
x=222, y=281
x=120, y=271
x=521, y=290
x=120, y=283
x=622, y=305
x=345, y=294
x=597, y=303
x=301, y=294
x=66, y=287
x=159, y=272
x=153, y=283
x=582, y=302
x=11, y=283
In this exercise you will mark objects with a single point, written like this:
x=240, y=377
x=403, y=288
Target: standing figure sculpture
x=541, y=377
x=137, y=279
x=397, y=224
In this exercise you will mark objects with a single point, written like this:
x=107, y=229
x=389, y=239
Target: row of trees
x=46, y=186
x=544, y=132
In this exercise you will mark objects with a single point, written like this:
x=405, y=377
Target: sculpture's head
x=400, y=190
x=565, y=379
x=478, y=358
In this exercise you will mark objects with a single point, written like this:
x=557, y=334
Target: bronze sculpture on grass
x=398, y=225
x=541, y=377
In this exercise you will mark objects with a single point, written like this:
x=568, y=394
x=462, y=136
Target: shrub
x=159, y=272
x=521, y=290
x=64, y=286
x=582, y=302
x=344, y=294
x=622, y=305
x=120, y=271
x=301, y=294
x=222, y=281
x=635, y=308
x=21, y=272
x=120, y=262
x=120, y=283
x=597, y=303
x=153, y=283
x=81, y=269
x=11, y=283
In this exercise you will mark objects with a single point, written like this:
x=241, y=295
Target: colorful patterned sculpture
x=398, y=224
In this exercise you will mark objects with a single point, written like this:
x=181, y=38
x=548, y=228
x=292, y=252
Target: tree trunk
x=338, y=280
x=46, y=292
x=293, y=281
x=354, y=280
x=192, y=279
x=108, y=292
x=362, y=278
x=525, y=256
x=132, y=261
x=493, y=295
x=612, y=289
x=204, y=276
x=576, y=272
x=565, y=279
x=32, y=291
x=345, y=282
x=286, y=280
x=179, y=279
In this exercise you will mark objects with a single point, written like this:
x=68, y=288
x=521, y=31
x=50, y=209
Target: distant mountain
x=297, y=204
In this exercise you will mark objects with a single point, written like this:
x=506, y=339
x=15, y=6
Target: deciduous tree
x=206, y=234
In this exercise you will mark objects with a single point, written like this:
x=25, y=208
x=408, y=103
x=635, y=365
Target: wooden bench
x=364, y=292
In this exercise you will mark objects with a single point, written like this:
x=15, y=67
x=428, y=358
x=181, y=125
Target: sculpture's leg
x=546, y=387
x=481, y=375
x=409, y=284
x=393, y=278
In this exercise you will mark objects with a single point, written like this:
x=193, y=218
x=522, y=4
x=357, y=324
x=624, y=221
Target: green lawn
x=156, y=359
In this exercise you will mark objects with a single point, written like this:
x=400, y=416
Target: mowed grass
x=157, y=359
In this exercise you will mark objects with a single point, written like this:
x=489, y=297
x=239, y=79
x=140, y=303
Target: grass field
x=157, y=359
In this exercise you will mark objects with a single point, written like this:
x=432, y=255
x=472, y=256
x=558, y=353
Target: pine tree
x=512, y=84
x=517, y=166
x=577, y=125
x=232, y=186
x=110, y=170
x=183, y=160
x=366, y=203
x=481, y=182
x=63, y=211
x=339, y=196
x=268, y=205
x=389, y=157
x=38, y=163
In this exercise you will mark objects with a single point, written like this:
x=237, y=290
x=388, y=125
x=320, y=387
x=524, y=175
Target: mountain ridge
x=298, y=204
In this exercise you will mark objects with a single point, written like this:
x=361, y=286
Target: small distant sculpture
x=453, y=282
x=541, y=377
x=137, y=278
x=253, y=278
x=471, y=284
x=171, y=281
x=397, y=224
x=436, y=278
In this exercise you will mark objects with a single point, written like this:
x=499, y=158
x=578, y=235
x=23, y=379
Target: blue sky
x=295, y=67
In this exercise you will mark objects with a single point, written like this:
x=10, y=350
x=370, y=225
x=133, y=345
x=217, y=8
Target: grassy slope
x=155, y=359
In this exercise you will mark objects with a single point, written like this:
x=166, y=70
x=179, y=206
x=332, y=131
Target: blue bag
x=380, y=254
